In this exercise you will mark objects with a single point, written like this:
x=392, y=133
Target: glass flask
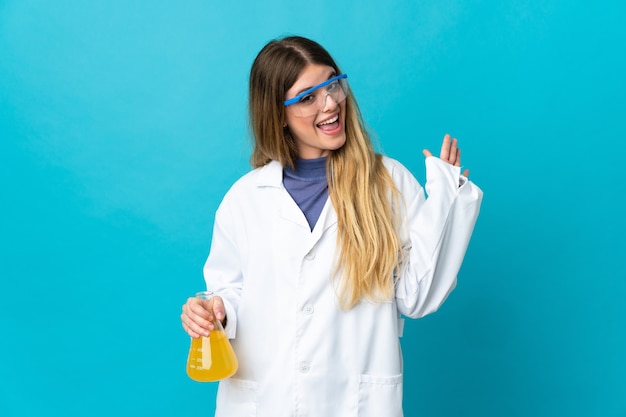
x=211, y=358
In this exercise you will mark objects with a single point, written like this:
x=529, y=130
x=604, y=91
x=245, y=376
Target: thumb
x=427, y=153
x=218, y=308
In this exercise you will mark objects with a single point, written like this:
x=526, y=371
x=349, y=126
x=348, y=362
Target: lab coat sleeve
x=222, y=269
x=435, y=233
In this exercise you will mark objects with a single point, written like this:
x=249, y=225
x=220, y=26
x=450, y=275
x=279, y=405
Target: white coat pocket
x=380, y=396
x=236, y=398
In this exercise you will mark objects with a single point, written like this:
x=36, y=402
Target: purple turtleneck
x=308, y=186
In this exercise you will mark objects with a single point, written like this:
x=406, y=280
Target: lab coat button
x=304, y=367
x=309, y=256
x=308, y=309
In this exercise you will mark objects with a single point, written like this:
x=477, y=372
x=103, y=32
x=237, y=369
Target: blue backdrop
x=122, y=124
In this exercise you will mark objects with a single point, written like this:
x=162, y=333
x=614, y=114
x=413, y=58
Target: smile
x=329, y=121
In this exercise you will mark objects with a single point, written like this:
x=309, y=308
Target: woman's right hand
x=197, y=315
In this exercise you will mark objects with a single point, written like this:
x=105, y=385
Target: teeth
x=329, y=121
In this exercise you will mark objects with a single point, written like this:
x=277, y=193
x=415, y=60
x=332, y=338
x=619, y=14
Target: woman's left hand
x=450, y=152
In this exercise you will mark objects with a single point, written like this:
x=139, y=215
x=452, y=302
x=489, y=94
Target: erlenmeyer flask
x=211, y=358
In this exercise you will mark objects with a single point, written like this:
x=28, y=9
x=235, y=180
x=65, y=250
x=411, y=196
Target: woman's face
x=324, y=131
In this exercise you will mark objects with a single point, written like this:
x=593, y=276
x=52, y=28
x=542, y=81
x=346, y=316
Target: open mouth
x=330, y=125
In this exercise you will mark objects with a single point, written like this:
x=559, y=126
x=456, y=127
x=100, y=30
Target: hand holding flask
x=211, y=358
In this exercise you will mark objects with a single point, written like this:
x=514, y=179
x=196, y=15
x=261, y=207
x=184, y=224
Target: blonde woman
x=319, y=252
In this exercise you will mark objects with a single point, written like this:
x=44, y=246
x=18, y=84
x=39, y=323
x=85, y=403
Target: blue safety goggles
x=309, y=103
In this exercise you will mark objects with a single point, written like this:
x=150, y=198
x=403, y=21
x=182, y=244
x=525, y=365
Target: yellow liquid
x=211, y=358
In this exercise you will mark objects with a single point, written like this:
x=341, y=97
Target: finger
x=457, y=161
x=218, y=308
x=194, y=323
x=192, y=332
x=208, y=313
x=200, y=308
x=453, y=156
x=195, y=318
x=445, y=148
x=427, y=153
x=195, y=328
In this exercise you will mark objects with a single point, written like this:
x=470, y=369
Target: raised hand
x=449, y=153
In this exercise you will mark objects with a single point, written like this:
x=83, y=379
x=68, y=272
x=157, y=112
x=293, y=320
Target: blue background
x=123, y=123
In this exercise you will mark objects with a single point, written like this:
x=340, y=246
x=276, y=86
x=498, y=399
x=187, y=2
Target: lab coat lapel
x=327, y=219
x=271, y=175
x=290, y=211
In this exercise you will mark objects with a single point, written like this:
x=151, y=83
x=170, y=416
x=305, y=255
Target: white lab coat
x=299, y=353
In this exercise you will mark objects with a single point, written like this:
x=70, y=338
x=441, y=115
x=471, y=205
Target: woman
x=318, y=252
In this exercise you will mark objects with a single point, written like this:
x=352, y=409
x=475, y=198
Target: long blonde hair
x=360, y=187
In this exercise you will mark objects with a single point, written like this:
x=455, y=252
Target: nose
x=329, y=103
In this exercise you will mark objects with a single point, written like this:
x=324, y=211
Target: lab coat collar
x=271, y=175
